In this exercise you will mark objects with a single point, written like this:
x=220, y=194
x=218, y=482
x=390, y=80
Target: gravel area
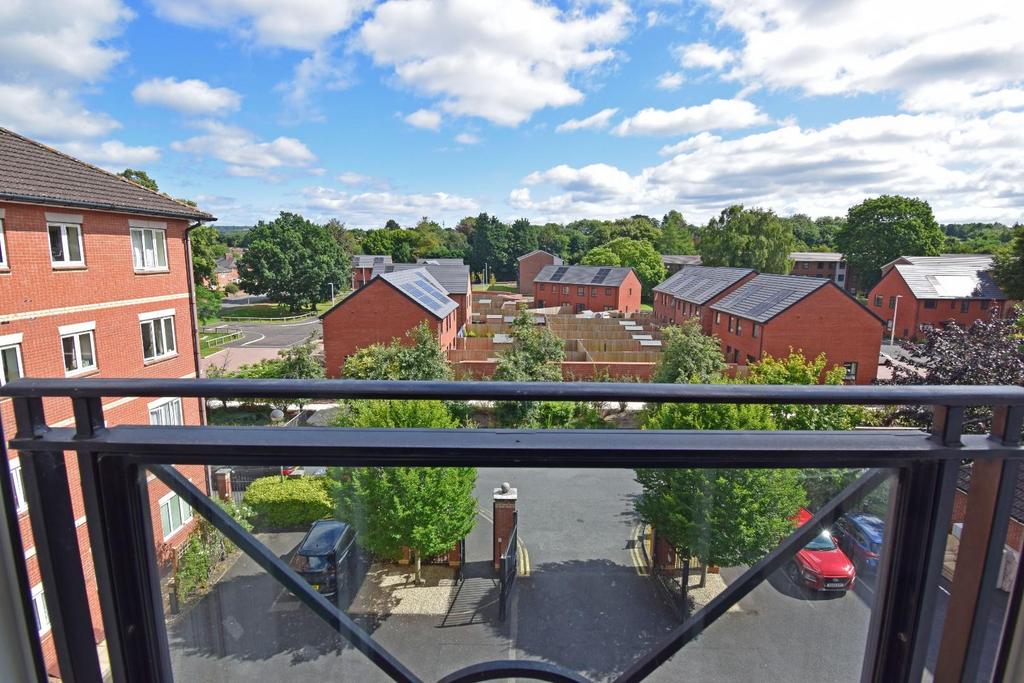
x=389, y=589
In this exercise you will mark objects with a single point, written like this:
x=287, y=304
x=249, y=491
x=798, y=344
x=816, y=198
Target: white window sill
x=151, y=271
x=22, y=509
x=158, y=359
x=82, y=372
x=68, y=266
x=176, y=531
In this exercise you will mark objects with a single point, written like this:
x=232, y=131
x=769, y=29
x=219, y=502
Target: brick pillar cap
x=223, y=470
x=506, y=492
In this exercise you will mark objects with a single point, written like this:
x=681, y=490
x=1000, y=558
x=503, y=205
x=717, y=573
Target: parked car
x=821, y=565
x=860, y=536
x=326, y=555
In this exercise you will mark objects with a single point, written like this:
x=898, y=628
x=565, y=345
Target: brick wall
x=625, y=297
x=673, y=311
x=1014, y=533
x=528, y=269
x=377, y=313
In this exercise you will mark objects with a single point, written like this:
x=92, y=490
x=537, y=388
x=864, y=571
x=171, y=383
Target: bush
x=279, y=503
x=232, y=288
x=193, y=567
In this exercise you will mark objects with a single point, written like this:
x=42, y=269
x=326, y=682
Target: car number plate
x=835, y=584
x=316, y=586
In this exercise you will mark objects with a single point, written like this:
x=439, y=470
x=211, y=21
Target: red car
x=821, y=565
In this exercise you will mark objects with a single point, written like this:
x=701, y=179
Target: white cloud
x=50, y=114
x=689, y=144
x=962, y=97
x=424, y=118
x=467, y=139
x=113, y=155
x=652, y=19
x=372, y=209
x=299, y=24
x=968, y=168
x=61, y=40
x=873, y=46
x=703, y=56
x=191, y=96
x=353, y=178
x=319, y=71
x=245, y=154
x=501, y=60
x=717, y=114
x=598, y=121
x=671, y=80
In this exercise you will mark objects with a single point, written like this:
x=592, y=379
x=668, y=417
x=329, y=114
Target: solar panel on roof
x=602, y=273
x=559, y=272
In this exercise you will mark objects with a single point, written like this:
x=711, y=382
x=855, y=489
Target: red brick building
x=587, y=288
x=226, y=271
x=388, y=307
x=95, y=281
x=530, y=265
x=771, y=314
x=362, y=268
x=917, y=293
x=823, y=264
x=691, y=291
x=452, y=274
x=675, y=262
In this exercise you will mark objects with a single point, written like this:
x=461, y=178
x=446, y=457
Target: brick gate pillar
x=664, y=553
x=504, y=508
x=222, y=483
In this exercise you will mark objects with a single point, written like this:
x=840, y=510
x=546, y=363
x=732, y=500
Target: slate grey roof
x=765, y=296
x=33, y=172
x=554, y=259
x=583, y=275
x=968, y=279
x=420, y=286
x=442, y=261
x=453, y=277
x=824, y=256
x=982, y=261
x=681, y=259
x=226, y=264
x=368, y=260
x=699, y=284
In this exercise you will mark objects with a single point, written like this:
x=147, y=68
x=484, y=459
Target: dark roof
x=961, y=279
x=765, y=296
x=442, y=261
x=34, y=173
x=554, y=259
x=226, y=264
x=963, y=482
x=815, y=256
x=368, y=260
x=681, y=259
x=453, y=277
x=420, y=286
x=604, y=276
x=699, y=284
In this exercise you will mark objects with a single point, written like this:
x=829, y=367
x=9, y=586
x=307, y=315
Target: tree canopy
x=884, y=228
x=636, y=254
x=207, y=247
x=292, y=261
x=688, y=355
x=676, y=236
x=1008, y=270
x=139, y=178
x=747, y=238
x=535, y=355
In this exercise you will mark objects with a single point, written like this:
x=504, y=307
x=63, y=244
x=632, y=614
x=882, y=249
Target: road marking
x=262, y=336
x=308, y=322
x=636, y=538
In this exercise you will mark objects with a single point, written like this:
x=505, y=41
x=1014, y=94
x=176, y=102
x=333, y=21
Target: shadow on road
x=783, y=583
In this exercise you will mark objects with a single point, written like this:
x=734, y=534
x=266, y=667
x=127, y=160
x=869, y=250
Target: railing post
x=979, y=558
x=57, y=549
x=120, y=532
x=915, y=540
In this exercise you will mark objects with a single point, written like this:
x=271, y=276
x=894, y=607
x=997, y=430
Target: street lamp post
x=332, y=291
x=895, y=312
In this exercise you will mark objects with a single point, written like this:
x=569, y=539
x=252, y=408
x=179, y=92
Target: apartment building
x=95, y=281
x=529, y=265
x=824, y=264
x=587, y=288
x=689, y=293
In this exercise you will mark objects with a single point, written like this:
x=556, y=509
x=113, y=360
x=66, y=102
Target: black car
x=325, y=557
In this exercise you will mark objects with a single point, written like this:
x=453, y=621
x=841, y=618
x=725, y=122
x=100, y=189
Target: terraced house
x=587, y=288
x=95, y=281
x=688, y=293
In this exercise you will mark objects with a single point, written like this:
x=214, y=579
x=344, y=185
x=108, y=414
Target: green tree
x=207, y=247
x=688, y=355
x=1008, y=270
x=884, y=228
x=139, y=178
x=747, y=238
x=536, y=356
x=600, y=256
x=380, y=242
x=292, y=261
x=676, y=237
x=392, y=224
x=207, y=303
x=490, y=246
x=795, y=369
x=524, y=237
x=419, y=358
x=553, y=239
x=639, y=227
x=635, y=254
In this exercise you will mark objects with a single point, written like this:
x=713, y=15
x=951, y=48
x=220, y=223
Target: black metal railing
x=509, y=568
x=114, y=460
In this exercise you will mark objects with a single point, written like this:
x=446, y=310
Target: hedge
x=284, y=503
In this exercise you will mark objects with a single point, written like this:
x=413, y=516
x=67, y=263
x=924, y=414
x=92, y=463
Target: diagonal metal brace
x=321, y=606
x=754, y=576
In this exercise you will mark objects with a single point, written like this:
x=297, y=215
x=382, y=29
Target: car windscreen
x=822, y=541
x=317, y=563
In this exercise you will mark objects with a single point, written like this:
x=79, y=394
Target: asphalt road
x=272, y=335
x=583, y=606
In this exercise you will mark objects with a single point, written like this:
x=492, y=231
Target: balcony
x=552, y=633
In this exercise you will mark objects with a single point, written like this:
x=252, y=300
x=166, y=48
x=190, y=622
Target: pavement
x=584, y=605
x=259, y=341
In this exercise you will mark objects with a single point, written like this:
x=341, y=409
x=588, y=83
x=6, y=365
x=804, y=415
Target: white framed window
x=3, y=245
x=157, y=335
x=851, y=370
x=166, y=411
x=10, y=358
x=149, y=248
x=66, y=244
x=174, y=514
x=20, y=504
x=78, y=344
x=39, y=606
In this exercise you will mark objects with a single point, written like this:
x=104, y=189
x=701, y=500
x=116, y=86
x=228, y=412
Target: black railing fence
x=114, y=460
x=509, y=568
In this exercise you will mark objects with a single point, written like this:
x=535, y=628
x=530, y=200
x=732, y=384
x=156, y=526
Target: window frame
x=76, y=335
x=851, y=367
x=66, y=262
x=965, y=306
x=12, y=341
x=931, y=304
x=158, y=321
x=18, y=486
x=42, y=613
x=185, y=514
x=879, y=300
x=164, y=403
x=755, y=331
x=4, y=260
x=156, y=267
x=581, y=291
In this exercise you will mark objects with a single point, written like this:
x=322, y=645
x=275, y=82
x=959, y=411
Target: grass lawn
x=270, y=311
x=509, y=287
x=204, y=347
x=646, y=307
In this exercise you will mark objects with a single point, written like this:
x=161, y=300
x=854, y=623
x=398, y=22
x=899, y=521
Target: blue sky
x=366, y=111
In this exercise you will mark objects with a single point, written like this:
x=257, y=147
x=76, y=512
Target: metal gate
x=242, y=476
x=509, y=568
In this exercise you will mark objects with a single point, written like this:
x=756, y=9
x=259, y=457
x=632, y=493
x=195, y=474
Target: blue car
x=860, y=537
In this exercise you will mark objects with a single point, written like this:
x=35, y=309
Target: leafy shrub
x=288, y=503
x=231, y=288
x=193, y=567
